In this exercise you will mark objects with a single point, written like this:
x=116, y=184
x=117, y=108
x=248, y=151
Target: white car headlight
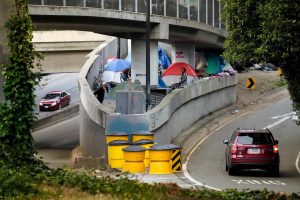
x=53, y=104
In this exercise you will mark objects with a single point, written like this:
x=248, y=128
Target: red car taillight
x=275, y=148
x=233, y=149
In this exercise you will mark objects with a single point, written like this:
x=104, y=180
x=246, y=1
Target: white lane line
x=184, y=166
x=278, y=122
x=188, y=176
x=285, y=115
x=298, y=163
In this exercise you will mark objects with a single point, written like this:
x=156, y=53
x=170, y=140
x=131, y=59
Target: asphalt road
x=206, y=165
x=62, y=81
x=63, y=135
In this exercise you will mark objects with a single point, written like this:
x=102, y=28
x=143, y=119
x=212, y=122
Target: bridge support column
x=138, y=61
x=184, y=52
x=5, y=12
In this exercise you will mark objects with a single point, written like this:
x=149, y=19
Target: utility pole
x=148, y=55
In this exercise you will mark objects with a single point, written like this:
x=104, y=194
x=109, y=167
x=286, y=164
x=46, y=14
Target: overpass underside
x=128, y=25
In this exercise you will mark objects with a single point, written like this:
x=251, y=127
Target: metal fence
x=205, y=11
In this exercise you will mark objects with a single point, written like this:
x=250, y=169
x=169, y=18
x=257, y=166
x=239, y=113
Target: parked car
x=54, y=100
x=252, y=149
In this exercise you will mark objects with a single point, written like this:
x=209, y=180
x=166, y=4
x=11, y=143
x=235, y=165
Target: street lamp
x=147, y=54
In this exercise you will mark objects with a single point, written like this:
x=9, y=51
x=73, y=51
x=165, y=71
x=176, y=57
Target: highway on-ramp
x=63, y=135
x=206, y=163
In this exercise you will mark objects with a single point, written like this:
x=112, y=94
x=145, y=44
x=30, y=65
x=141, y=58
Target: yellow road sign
x=279, y=71
x=251, y=83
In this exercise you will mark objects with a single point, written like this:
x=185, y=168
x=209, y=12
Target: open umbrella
x=117, y=65
x=112, y=71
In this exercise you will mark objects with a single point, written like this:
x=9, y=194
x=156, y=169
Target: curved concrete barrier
x=176, y=112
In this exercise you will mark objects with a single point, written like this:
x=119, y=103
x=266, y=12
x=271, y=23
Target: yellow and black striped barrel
x=176, y=159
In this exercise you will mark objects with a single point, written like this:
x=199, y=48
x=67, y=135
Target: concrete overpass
x=114, y=18
x=188, y=25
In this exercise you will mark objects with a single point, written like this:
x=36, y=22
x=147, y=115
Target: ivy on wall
x=17, y=111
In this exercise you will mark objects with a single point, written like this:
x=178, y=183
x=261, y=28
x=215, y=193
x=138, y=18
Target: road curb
x=58, y=116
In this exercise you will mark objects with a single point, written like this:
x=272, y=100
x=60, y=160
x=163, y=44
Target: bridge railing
x=205, y=11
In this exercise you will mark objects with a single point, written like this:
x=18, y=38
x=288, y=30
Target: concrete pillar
x=5, y=12
x=184, y=52
x=138, y=61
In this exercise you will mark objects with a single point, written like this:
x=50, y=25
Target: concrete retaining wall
x=53, y=118
x=181, y=108
x=183, y=111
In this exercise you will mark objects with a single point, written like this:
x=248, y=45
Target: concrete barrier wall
x=170, y=121
x=53, y=118
x=92, y=112
x=181, y=108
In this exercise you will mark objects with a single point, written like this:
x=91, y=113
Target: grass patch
x=39, y=182
x=279, y=83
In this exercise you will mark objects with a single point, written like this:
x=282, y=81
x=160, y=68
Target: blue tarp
x=161, y=83
x=163, y=58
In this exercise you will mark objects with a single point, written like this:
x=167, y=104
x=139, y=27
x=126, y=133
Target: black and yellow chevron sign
x=251, y=83
x=176, y=160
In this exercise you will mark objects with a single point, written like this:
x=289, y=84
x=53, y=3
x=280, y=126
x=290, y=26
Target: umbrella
x=110, y=76
x=117, y=65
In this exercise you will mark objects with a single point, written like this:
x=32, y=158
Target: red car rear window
x=254, y=138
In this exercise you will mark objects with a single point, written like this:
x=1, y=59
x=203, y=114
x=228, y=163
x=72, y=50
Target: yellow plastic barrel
x=115, y=153
x=142, y=135
x=116, y=136
x=146, y=144
x=160, y=159
x=134, y=159
x=176, y=160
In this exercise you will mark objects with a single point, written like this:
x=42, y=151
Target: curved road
x=62, y=81
x=206, y=164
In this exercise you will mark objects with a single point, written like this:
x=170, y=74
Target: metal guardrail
x=205, y=11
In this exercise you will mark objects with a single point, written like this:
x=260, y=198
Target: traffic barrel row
x=141, y=153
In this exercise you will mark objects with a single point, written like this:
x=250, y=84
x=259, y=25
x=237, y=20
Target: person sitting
x=183, y=78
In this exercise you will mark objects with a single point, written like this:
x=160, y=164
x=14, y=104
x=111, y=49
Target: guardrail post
x=120, y=5
x=136, y=6
x=220, y=16
x=177, y=9
x=64, y=2
x=165, y=7
x=188, y=9
x=198, y=17
x=150, y=7
x=213, y=13
x=42, y=2
x=84, y=3
x=102, y=4
x=206, y=11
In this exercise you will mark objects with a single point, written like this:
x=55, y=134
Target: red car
x=54, y=100
x=252, y=149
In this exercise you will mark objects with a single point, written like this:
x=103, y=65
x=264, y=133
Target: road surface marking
x=184, y=166
x=257, y=182
x=298, y=163
x=278, y=122
x=285, y=115
x=196, y=182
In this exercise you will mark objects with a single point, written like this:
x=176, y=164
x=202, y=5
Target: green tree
x=17, y=111
x=266, y=31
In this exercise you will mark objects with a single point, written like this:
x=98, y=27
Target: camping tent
x=173, y=73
